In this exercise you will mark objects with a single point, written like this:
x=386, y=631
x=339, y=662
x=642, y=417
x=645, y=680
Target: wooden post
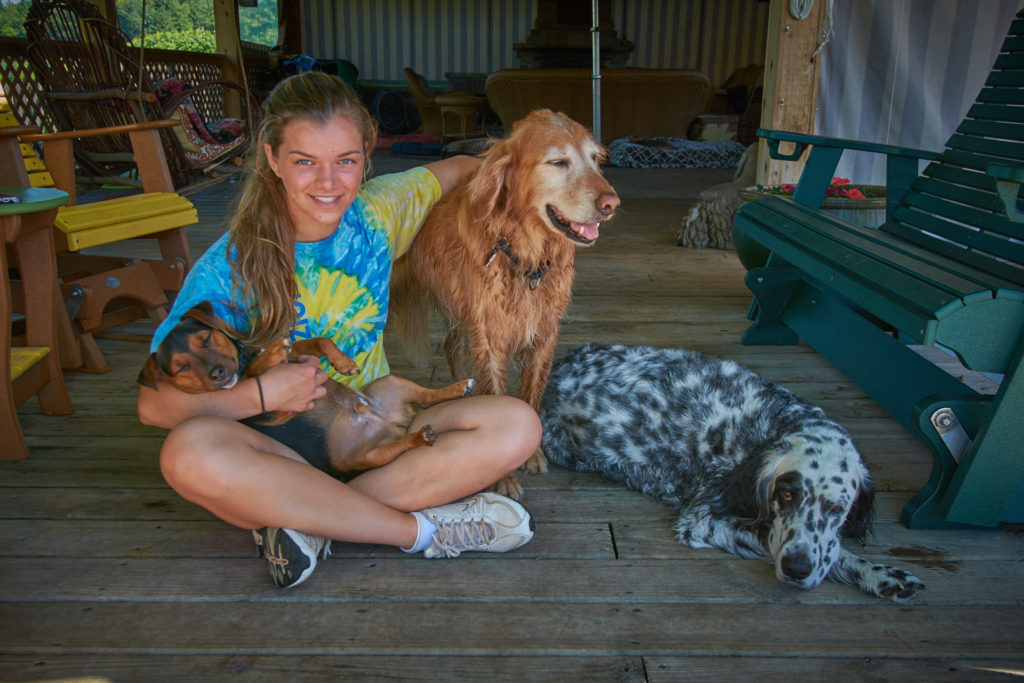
x=289, y=26
x=790, y=83
x=229, y=47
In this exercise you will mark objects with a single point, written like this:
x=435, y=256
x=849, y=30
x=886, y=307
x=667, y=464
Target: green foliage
x=195, y=40
x=170, y=24
x=187, y=22
x=259, y=24
x=165, y=15
x=12, y=19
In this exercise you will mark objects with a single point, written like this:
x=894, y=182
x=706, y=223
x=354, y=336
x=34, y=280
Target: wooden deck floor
x=106, y=572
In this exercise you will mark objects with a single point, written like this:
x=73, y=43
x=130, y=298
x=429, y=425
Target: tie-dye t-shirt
x=342, y=280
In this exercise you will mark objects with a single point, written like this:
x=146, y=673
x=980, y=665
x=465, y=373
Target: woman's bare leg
x=480, y=440
x=250, y=480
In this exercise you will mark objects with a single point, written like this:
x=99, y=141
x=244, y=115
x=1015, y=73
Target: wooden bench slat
x=129, y=208
x=979, y=209
x=912, y=309
x=992, y=129
x=987, y=252
x=995, y=112
x=959, y=176
x=919, y=264
x=1010, y=60
x=1008, y=78
x=127, y=229
x=90, y=225
x=25, y=357
x=1013, y=44
x=994, y=148
x=1009, y=276
x=979, y=202
x=971, y=160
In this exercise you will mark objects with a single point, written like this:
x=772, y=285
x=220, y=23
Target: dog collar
x=532, y=276
x=246, y=355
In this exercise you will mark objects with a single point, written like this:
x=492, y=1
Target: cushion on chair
x=202, y=142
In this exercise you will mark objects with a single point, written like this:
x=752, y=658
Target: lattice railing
x=20, y=86
x=25, y=95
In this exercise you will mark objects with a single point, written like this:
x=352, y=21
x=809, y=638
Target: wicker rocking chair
x=92, y=78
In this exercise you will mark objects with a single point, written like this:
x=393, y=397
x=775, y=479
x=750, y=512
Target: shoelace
x=314, y=542
x=454, y=536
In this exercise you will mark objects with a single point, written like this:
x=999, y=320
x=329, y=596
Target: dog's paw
x=470, y=384
x=891, y=583
x=429, y=435
x=508, y=486
x=537, y=463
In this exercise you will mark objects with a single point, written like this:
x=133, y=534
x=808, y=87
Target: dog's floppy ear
x=744, y=493
x=150, y=373
x=858, y=522
x=203, y=312
x=488, y=188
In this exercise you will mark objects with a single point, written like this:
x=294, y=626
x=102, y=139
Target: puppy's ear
x=858, y=522
x=203, y=312
x=150, y=373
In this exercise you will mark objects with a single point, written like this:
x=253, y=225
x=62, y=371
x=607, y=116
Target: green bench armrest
x=1008, y=182
x=901, y=165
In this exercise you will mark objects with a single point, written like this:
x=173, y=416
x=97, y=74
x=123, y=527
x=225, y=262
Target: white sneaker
x=290, y=555
x=485, y=522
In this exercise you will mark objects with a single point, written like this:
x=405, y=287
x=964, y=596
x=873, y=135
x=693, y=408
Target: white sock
x=424, y=531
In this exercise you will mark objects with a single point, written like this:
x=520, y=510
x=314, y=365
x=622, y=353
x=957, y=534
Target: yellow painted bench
x=106, y=291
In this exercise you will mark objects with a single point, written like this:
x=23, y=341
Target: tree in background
x=12, y=19
x=170, y=24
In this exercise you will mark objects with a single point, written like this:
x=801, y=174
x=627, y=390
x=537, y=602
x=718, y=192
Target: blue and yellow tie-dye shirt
x=342, y=280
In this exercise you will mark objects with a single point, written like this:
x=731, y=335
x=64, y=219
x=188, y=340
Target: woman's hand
x=293, y=387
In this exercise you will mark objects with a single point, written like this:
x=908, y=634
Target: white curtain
x=905, y=72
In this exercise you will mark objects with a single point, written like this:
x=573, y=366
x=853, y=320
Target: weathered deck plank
x=107, y=572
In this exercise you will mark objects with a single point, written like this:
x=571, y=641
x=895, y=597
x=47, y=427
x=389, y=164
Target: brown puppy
x=346, y=432
x=496, y=255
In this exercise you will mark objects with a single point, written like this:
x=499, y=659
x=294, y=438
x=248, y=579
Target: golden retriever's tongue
x=588, y=230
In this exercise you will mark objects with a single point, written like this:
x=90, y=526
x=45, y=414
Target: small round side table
x=26, y=222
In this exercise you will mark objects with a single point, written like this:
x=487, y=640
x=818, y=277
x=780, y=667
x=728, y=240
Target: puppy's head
x=195, y=357
x=548, y=168
x=815, y=490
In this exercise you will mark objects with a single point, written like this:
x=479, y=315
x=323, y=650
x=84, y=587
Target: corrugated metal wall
x=712, y=36
x=381, y=37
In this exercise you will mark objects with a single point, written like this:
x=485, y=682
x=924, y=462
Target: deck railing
x=29, y=106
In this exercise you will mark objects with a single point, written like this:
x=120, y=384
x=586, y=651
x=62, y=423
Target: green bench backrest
x=953, y=208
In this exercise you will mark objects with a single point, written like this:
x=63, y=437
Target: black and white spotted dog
x=752, y=468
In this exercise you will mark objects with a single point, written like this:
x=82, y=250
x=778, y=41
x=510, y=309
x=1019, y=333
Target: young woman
x=309, y=253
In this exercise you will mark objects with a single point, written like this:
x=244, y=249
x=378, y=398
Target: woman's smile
x=321, y=167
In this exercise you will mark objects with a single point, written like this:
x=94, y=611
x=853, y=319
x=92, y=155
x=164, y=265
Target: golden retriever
x=496, y=257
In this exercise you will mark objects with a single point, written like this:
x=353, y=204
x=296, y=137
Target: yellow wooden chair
x=101, y=291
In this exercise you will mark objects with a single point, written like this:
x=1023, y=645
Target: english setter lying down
x=752, y=468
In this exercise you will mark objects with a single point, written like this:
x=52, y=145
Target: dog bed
x=674, y=153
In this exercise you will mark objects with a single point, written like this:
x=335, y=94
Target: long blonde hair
x=262, y=228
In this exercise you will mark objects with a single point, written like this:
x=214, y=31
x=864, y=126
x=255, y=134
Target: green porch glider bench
x=945, y=269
